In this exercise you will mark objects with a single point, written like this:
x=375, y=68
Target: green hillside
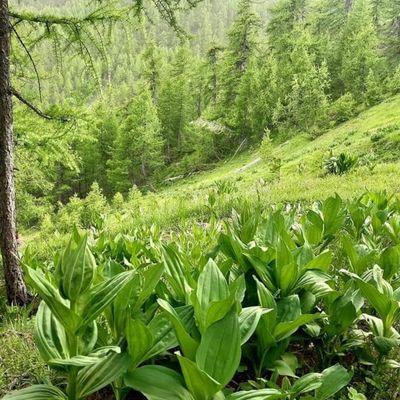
x=373, y=137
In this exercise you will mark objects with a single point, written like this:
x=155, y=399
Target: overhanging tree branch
x=37, y=111
x=31, y=59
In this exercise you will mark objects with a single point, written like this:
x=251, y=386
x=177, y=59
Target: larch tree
x=235, y=61
x=75, y=31
x=138, y=145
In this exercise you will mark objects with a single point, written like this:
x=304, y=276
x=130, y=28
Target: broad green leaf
x=120, y=310
x=306, y=383
x=78, y=267
x=385, y=306
x=238, y=288
x=163, y=334
x=390, y=261
x=51, y=296
x=283, y=369
x=100, y=296
x=267, y=301
x=285, y=329
x=217, y=310
x=333, y=379
x=234, y=248
x=263, y=271
x=289, y=308
x=267, y=322
x=211, y=285
x=219, y=352
x=316, y=282
x=322, y=262
x=151, y=278
x=176, y=272
x=286, y=269
x=158, y=383
x=84, y=361
x=333, y=215
x=88, y=339
x=200, y=384
x=313, y=228
x=188, y=344
x=95, y=377
x=140, y=341
x=262, y=394
x=248, y=321
x=50, y=335
x=37, y=392
x=385, y=344
x=342, y=315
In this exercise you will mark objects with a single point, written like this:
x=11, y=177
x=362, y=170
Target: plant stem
x=74, y=370
x=73, y=373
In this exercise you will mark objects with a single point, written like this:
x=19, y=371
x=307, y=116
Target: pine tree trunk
x=15, y=286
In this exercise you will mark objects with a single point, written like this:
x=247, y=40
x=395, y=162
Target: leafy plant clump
x=340, y=165
x=294, y=303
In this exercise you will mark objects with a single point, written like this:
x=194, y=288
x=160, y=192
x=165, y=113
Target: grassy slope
x=176, y=205
x=353, y=137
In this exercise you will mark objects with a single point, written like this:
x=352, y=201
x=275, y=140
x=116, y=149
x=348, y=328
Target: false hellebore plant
x=66, y=330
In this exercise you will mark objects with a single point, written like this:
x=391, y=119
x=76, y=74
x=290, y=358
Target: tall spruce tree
x=236, y=60
x=138, y=145
x=176, y=103
x=357, y=51
x=391, y=29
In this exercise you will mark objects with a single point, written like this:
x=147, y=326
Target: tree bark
x=14, y=281
x=348, y=5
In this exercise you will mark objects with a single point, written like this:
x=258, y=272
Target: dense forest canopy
x=146, y=104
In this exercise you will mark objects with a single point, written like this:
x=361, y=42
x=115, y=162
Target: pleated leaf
x=219, y=352
x=84, y=361
x=187, y=343
x=158, y=383
x=248, y=321
x=51, y=296
x=50, y=335
x=100, y=296
x=200, y=384
x=37, y=392
x=140, y=341
x=262, y=394
x=78, y=267
x=95, y=377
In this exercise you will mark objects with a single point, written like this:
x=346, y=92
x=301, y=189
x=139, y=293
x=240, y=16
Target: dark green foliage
x=343, y=108
x=285, y=67
x=138, y=144
x=339, y=165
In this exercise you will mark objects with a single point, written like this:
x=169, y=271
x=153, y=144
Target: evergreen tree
x=254, y=113
x=236, y=60
x=286, y=15
x=176, y=105
x=151, y=68
x=391, y=38
x=96, y=152
x=357, y=51
x=138, y=145
x=307, y=101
